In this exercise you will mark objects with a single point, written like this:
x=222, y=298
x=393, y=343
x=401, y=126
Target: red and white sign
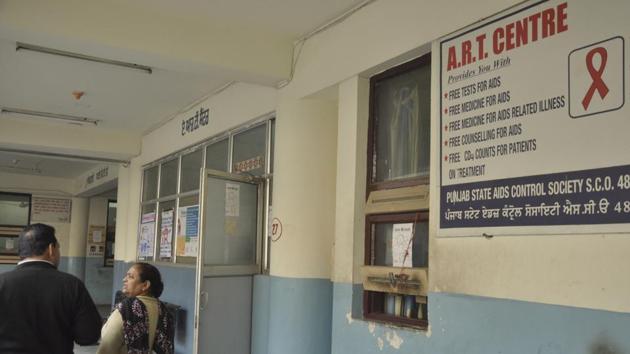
x=533, y=122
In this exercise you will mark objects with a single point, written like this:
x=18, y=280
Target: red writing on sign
x=540, y=25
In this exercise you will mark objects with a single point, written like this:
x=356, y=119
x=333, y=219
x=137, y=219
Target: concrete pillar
x=300, y=291
x=348, y=253
x=77, y=238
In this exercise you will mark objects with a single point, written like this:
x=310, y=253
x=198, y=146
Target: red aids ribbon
x=598, y=84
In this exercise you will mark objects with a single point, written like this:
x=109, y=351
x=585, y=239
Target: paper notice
x=232, y=194
x=401, y=245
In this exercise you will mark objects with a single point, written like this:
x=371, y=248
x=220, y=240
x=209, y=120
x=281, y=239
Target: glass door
x=229, y=256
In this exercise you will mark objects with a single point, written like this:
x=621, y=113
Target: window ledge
x=395, y=322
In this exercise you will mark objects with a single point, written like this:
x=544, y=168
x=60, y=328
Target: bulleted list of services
x=514, y=127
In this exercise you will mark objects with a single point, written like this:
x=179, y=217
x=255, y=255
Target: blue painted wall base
x=300, y=313
x=478, y=325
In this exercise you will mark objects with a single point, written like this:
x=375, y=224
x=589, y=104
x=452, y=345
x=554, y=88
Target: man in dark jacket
x=43, y=310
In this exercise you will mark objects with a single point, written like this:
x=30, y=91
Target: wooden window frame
x=373, y=126
x=372, y=300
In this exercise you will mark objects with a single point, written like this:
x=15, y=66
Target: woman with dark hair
x=127, y=329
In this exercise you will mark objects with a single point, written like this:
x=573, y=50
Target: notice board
x=533, y=122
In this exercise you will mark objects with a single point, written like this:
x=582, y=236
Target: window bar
x=266, y=235
x=175, y=213
x=157, y=213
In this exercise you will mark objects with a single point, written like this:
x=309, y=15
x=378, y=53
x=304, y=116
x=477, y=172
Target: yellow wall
x=304, y=187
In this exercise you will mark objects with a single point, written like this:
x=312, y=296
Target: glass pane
x=217, y=156
x=401, y=117
x=168, y=178
x=191, y=166
x=165, y=230
x=249, y=151
x=230, y=229
x=14, y=209
x=146, y=232
x=149, y=184
x=187, y=230
x=384, y=250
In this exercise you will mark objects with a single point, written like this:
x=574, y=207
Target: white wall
x=379, y=35
x=98, y=212
x=351, y=181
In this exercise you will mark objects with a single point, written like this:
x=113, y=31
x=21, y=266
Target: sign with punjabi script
x=201, y=118
x=533, y=122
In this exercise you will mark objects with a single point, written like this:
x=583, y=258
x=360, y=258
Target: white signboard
x=534, y=130
x=51, y=209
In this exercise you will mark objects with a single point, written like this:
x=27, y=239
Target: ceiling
x=194, y=48
x=28, y=164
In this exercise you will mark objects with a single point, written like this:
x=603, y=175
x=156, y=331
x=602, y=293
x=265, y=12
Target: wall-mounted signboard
x=534, y=125
x=51, y=209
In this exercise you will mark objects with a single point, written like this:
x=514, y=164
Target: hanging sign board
x=534, y=125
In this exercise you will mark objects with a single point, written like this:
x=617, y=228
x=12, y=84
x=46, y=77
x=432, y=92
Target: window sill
x=398, y=322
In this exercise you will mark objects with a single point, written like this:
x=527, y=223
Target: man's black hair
x=34, y=240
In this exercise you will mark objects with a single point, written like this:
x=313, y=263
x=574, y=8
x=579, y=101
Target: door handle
x=203, y=301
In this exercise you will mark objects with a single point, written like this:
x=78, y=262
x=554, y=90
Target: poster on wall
x=187, y=232
x=96, y=250
x=166, y=234
x=147, y=235
x=534, y=122
x=96, y=241
x=51, y=209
